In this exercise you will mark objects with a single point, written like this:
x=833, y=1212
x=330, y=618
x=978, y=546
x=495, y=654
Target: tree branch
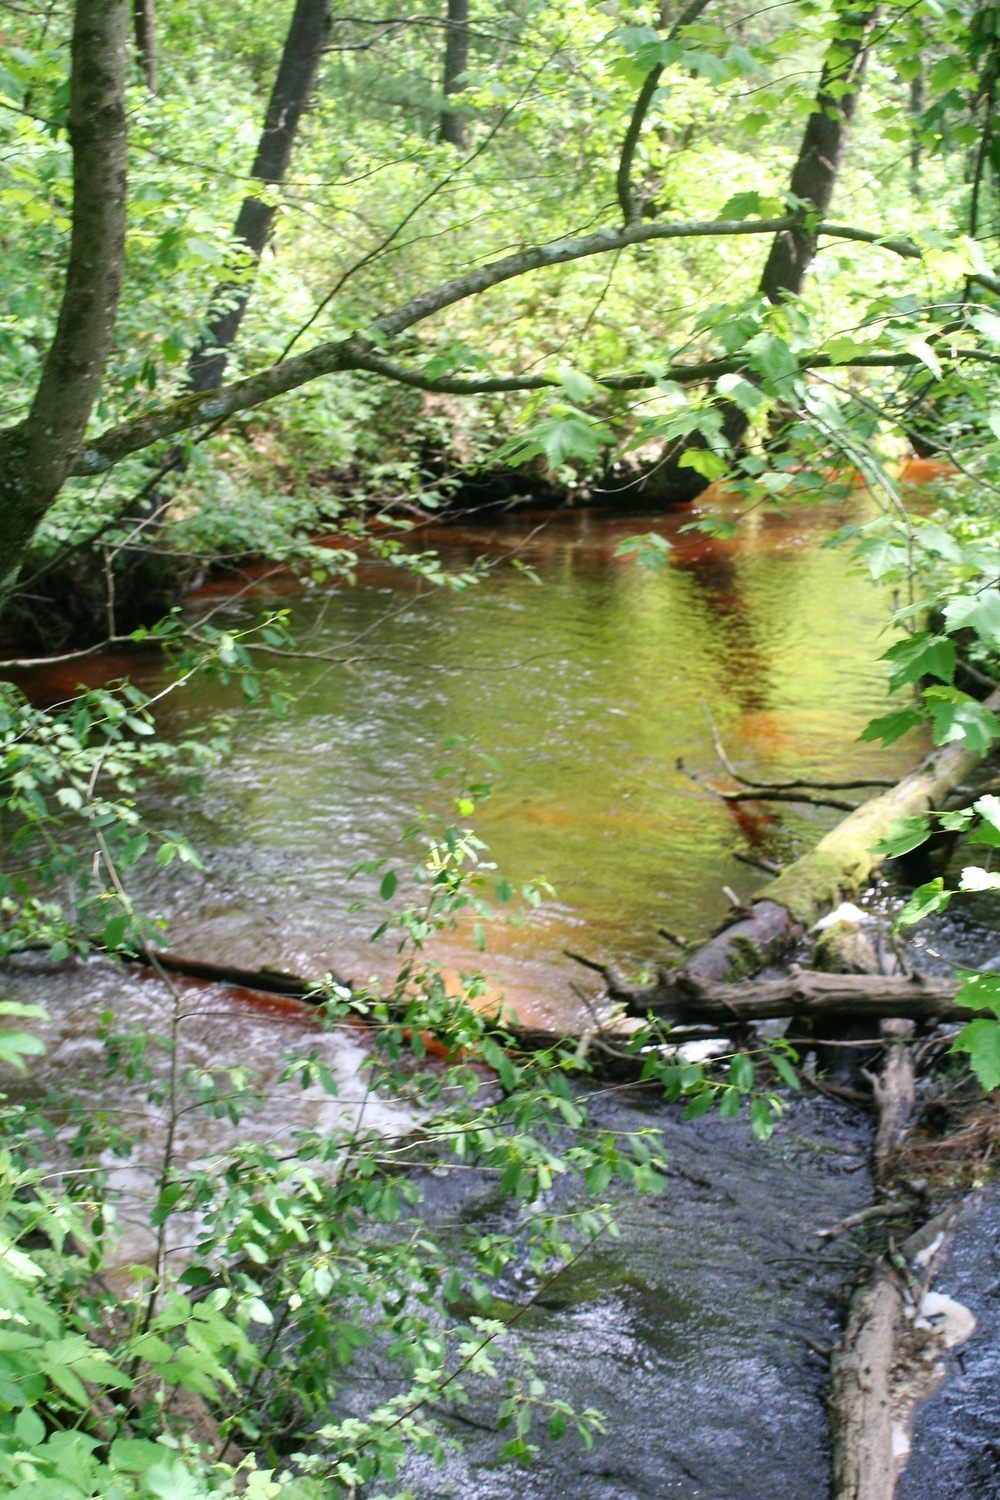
x=357, y=352
x=630, y=211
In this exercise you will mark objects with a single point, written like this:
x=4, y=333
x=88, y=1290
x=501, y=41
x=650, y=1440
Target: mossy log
x=841, y=865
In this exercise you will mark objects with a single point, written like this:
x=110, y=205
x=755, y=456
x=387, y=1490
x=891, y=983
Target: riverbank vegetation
x=280, y=288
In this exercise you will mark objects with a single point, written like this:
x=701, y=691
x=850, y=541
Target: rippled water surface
x=694, y=1332
x=587, y=689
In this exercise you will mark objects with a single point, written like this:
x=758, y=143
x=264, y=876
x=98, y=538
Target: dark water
x=956, y=1434
x=692, y=1332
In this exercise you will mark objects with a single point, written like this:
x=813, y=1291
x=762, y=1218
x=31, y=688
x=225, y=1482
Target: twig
x=762, y=794
x=588, y=963
x=864, y=1216
x=767, y=865
x=786, y=786
x=673, y=937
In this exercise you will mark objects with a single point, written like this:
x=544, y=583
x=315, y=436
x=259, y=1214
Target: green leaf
x=957, y=717
x=740, y=206
x=748, y=397
x=921, y=655
x=980, y=992
x=979, y=612
x=704, y=462
x=578, y=387
x=891, y=727
x=741, y=1073
x=114, y=932
x=29, y=1427
x=981, y=1040
x=761, y=1119
x=922, y=349
x=784, y=1069
x=388, y=887
x=700, y=1104
x=925, y=900
x=904, y=834
x=16, y=1045
x=986, y=323
x=650, y=550
x=773, y=359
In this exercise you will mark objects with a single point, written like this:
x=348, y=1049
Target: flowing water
x=586, y=689
x=694, y=1332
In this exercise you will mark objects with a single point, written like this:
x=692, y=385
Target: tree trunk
x=813, y=180
x=144, y=20
x=822, y=151
x=456, y=61
x=37, y=455
x=289, y=98
x=864, y=1466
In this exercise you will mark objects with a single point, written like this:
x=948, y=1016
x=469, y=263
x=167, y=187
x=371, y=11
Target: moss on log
x=842, y=863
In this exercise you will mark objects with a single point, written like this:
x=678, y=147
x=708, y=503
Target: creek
x=695, y=1331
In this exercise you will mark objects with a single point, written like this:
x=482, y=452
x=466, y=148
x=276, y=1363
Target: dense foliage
x=552, y=336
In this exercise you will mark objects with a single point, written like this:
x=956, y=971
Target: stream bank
x=330, y=779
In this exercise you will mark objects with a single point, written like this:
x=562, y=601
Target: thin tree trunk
x=144, y=21
x=456, y=61
x=916, y=110
x=813, y=179
x=289, y=98
x=821, y=154
x=37, y=455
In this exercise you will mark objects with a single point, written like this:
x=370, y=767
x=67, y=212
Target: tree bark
x=144, y=21
x=803, y=992
x=821, y=154
x=456, y=61
x=39, y=453
x=864, y=1467
x=357, y=353
x=793, y=250
x=289, y=98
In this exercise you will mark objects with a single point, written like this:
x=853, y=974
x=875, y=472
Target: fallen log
x=809, y=992
x=864, y=1466
x=264, y=981
x=604, y=1048
x=840, y=866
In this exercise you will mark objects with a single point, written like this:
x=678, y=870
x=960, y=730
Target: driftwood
x=262, y=981
x=895, y=1091
x=879, y=1371
x=864, y=1467
x=861, y=1368
x=693, y=1009
x=803, y=992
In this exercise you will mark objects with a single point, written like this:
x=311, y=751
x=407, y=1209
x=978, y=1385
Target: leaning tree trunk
x=813, y=180
x=289, y=98
x=140, y=586
x=456, y=61
x=37, y=455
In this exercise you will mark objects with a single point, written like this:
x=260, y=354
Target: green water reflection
x=587, y=689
